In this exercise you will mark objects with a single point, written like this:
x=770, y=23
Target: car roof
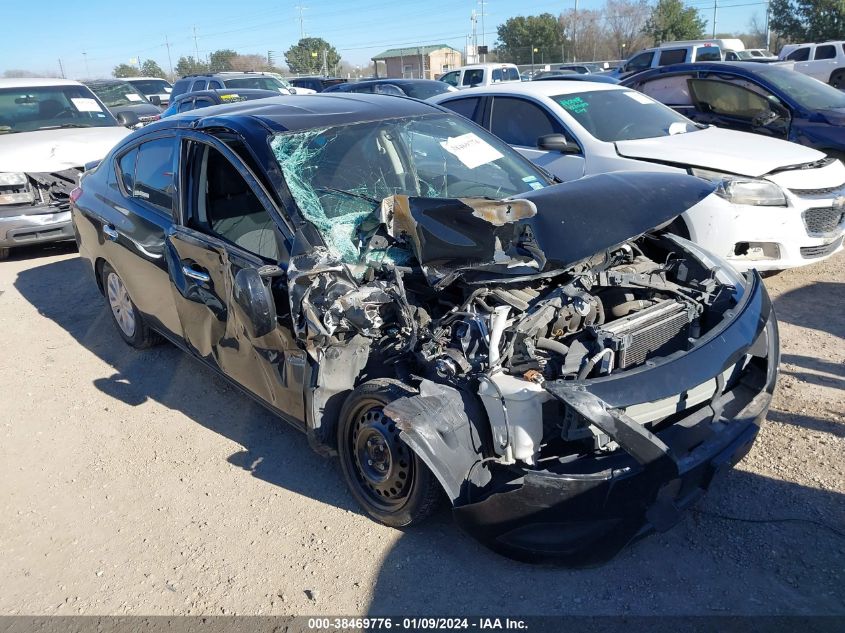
x=226, y=91
x=740, y=68
x=304, y=112
x=31, y=82
x=144, y=79
x=538, y=89
x=103, y=82
x=486, y=65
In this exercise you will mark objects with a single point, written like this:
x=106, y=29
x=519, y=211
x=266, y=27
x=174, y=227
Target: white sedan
x=778, y=204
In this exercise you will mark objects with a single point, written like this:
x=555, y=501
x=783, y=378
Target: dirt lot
x=140, y=483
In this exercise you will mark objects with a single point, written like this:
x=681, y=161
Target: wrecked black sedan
x=429, y=306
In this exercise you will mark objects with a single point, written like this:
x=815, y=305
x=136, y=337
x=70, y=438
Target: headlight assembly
x=742, y=190
x=725, y=273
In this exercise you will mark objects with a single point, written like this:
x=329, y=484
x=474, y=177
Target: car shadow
x=21, y=253
x=809, y=307
x=65, y=293
x=705, y=565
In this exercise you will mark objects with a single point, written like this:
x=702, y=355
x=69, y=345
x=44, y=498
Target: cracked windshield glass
x=340, y=175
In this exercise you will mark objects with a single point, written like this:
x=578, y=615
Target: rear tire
x=126, y=317
x=388, y=480
x=4, y=252
x=837, y=79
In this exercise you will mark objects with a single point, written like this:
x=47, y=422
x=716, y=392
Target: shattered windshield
x=339, y=176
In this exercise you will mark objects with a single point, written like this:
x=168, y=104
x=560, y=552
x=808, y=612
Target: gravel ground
x=140, y=483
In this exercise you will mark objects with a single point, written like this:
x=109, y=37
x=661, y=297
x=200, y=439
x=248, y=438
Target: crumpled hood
x=56, y=150
x=548, y=229
x=721, y=150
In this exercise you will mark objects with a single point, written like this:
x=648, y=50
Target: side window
x=709, y=54
x=366, y=88
x=126, y=167
x=672, y=56
x=640, y=62
x=389, y=89
x=214, y=85
x=799, y=54
x=199, y=84
x=497, y=75
x=724, y=98
x=154, y=173
x=186, y=105
x=473, y=76
x=672, y=90
x=225, y=205
x=465, y=107
x=828, y=51
x=203, y=102
x=520, y=122
x=451, y=78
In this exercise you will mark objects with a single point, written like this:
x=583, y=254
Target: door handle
x=110, y=232
x=195, y=274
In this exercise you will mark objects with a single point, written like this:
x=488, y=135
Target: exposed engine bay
x=48, y=192
x=502, y=322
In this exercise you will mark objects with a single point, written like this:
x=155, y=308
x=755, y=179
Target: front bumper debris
x=584, y=511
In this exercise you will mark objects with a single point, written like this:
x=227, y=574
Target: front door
x=229, y=223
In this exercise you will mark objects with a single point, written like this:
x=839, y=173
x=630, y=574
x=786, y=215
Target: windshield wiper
x=62, y=126
x=350, y=193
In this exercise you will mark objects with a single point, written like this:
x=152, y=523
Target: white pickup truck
x=824, y=61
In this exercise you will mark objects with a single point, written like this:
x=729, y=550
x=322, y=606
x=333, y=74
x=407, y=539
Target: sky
x=91, y=39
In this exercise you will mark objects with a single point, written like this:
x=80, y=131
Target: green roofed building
x=415, y=62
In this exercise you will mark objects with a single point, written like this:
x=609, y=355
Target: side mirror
x=128, y=119
x=254, y=303
x=557, y=143
x=155, y=100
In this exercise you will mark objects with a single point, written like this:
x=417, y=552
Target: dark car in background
x=761, y=98
x=232, y=80
x=204, y=98
x=416, y=88
x=563, y=75
x=155, y=89
x=124, y=101
x=422, y=301
x=317, y=84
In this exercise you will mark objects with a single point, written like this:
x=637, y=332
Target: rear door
x=823, y=62
x=228, y=222
x=730, y=105
x=520, y=122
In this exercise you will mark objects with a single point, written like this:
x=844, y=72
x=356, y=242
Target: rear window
x=708, y=54
x=673, y=56
x=261, y=83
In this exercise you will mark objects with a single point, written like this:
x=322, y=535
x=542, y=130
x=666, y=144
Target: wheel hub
x=381, y=459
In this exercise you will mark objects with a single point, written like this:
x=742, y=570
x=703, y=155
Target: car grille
x=656, y=329
x=810, y=252
x=823, y=219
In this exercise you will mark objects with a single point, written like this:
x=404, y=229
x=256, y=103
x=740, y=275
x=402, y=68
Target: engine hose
x=586, y=369
x=624, y=309
x=552, y=346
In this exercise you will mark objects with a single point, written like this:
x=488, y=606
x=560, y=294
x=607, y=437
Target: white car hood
x=56, y=150
x=729, y=151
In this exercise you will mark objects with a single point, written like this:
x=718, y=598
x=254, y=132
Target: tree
x=220, y=61
x=671, y=20
x=246, y=63
x=808, y=20
x=625, y=22
x=125, y=70
x=519, y=35
x=151, y=69
x=306, y=56
x=190, y=66
x=586, y=33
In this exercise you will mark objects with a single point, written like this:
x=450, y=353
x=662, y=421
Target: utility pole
x=196, y=47
x=61, y=68
x=169, y=60
x=715, y=8
x=301, y=21
x=482, y=3
x=768, y=32
x=87, y=72
x=575, y=33
x=325, y=63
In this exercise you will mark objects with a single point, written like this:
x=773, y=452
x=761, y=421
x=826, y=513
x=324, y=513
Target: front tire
x=388, y=480
x=126, y=317
x=837, y=79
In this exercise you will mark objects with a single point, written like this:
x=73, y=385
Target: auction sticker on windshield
x=576, y=105
x=133, y=97
x=471, y=150
x=639, y=98
x=86, y=105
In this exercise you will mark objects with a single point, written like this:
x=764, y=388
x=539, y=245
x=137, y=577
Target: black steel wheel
x=385, y=476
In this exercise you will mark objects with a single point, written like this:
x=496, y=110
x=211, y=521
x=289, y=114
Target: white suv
x=49, y=129
x=824, y=61
x=481, y=75
x=669, y=54
x=777, y=204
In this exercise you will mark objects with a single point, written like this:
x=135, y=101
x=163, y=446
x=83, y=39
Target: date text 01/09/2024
x=412, y=623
